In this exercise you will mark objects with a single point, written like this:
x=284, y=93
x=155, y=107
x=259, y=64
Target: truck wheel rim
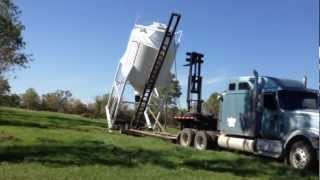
x=184, y=139
x=300, y=158
x=200, y=143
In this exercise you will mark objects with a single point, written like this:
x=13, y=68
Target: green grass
x=45, y=145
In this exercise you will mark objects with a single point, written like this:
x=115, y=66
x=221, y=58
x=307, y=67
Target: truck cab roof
x=267, y=83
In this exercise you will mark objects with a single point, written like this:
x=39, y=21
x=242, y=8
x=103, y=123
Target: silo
x=137, y=62
x=140, y=55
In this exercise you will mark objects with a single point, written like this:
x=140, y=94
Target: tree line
x=62, y=101
x=57, y=101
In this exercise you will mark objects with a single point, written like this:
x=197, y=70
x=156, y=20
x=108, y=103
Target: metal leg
x=115, y=98
x=147, y=118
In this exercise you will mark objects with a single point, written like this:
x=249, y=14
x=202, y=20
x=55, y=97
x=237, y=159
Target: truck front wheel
x=201, y=140
x=301, y=155
x=186, y=137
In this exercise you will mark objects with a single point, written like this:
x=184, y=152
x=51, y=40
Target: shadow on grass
x=82, y=153
x=236, y=167
x=55, y=153
x=23, y=123
x=243, y=167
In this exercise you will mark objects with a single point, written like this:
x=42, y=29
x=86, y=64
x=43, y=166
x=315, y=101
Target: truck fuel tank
x=236, y=143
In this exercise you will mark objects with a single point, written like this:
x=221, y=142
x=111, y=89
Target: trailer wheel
x=186, y=137
x=301, y=155
x=201, y=140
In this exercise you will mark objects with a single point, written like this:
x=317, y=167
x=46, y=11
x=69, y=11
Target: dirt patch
x=7, y=137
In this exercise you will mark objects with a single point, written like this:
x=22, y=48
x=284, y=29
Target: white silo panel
x=141, y=52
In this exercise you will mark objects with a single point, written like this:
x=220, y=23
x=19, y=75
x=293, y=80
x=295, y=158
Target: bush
x=12, y=100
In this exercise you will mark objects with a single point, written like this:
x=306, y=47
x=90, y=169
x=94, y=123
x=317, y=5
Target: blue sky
x=77, y=44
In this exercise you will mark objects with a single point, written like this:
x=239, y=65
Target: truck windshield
x=293, y=100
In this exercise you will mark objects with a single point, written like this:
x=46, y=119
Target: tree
x=172, y=92
x=77, y=107
x=56, y=101
x=31, y=99
x=212, y=104
x=12, y=45
x=99, y=106
x=11, y=100
x=49, y=102
x=4, y=86
x=169, y=94
x=7, y=99
x=62, y=97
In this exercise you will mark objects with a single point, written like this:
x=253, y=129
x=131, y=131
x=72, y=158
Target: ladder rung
x=164, y=49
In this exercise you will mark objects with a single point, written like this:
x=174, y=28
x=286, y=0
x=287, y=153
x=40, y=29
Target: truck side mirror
x=304, y=81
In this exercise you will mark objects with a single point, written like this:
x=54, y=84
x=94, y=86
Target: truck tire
x=201, y=140
x=301, y=155
x=186, y=137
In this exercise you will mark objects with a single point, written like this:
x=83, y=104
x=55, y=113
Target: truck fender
x=311, y=135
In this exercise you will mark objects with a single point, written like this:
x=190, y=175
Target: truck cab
x=277, y=117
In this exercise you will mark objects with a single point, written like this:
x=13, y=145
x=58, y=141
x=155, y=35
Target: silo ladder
x=165, y=44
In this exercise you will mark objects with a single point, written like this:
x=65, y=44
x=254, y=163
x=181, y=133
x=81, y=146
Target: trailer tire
x=301, y=155
x=201, y=140
x=123, y=128
x=186, y=137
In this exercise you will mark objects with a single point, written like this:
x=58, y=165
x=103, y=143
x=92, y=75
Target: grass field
x=45, y=145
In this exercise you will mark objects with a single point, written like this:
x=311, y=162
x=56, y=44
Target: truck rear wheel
x=301, y=155
x=201, y=140
x=186, y=137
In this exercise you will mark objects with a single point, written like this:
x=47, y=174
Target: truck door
x=270, y=117
x=235, y=111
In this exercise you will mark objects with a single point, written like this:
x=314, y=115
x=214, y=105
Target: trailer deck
x=162, y=135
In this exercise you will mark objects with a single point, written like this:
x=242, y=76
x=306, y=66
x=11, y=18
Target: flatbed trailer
x=143, y=132
x=212, y=136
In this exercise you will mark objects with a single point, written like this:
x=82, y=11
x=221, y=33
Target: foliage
x=4, y=86
x=76, y=107
x=56, y=101
x=7, y=99
x=98, y=107
x=212, y=104
x=10, y=100
x=46, y=145
x=171, y=92
x=169, y=95
x=30, y=99
x=12, y=45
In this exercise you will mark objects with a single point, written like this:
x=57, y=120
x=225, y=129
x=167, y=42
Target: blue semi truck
x=262, y=115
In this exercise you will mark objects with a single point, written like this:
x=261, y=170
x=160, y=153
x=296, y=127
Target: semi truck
x=262, y=115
